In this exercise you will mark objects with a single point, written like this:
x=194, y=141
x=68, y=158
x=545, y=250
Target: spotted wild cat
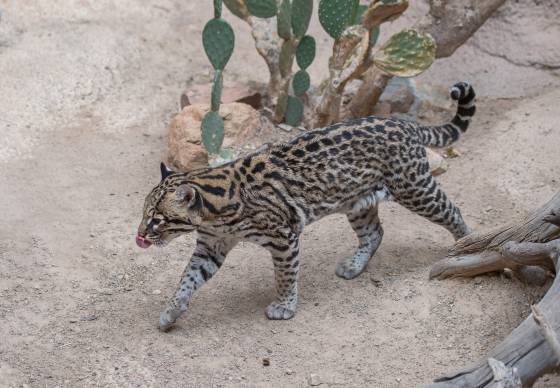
x=268, y=197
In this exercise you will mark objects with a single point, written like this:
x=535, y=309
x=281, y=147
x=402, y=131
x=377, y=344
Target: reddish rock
x=382, y=108
x=186, y=151
x=399, y=94
x=232, y=92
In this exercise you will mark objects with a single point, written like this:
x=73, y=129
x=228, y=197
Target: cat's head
x=172, y=208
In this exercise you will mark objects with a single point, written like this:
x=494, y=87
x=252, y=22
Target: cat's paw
x=348, y=271
x=276, y=310
x=167, y=319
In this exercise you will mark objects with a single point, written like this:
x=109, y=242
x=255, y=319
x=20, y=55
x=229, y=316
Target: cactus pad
x=286, y=58
x=237, y=7
x=262, y=8
x=335, y=15
x=218, y=40
x=217, y=9
x=294, y=111
x=284, y=20
x=212, y=132
x=301, y=15
x=406, y=54
x=305, y=53
x=216, y=95
x=281, y=105
x=358, y=14
x=301, y=82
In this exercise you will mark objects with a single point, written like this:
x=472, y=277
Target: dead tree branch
x=547, y=331
x=504, y=377
x=532, y=348
x=481, y=252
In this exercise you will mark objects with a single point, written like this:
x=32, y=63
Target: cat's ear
x=189, y=197
x=165, y=171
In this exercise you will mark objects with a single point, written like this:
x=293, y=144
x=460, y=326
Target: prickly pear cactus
x=284, y=20
x=294, y=111
x=292, y=21
x=301, y=83
x=212, y=132
x=301, y=15
x=358, y=13
x=305, y=52
x=336, y=15
x=406, y=54
x=281, y=105
x=216, y=95
x=218, y=41
x=217, y=9
x=303, y=47
x=286, y=58
x=262, y=8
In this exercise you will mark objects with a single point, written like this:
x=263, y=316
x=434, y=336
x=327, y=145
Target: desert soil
x=86, y=91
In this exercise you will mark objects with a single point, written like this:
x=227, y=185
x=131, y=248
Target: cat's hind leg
x=367, y=226
x=425, y=197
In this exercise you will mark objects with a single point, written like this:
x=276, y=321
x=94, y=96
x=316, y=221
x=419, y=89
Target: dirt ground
x=86, y=91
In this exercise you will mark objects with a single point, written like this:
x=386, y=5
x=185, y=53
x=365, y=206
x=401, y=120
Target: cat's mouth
x=142, y=242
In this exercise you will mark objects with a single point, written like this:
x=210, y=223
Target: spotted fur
x=268, y=197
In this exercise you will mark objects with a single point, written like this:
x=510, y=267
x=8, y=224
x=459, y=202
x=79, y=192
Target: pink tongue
x=142, y=242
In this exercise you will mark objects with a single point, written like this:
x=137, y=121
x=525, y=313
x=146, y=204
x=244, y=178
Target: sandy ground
x=86, y=91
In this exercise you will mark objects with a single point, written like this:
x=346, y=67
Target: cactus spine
x=218, y=40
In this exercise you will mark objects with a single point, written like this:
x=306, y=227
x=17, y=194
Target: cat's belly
x=372, y=199
x=350, y=205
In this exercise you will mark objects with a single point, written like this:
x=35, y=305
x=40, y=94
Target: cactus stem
x=217, y=9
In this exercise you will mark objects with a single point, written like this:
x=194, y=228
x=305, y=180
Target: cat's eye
x=154, y=222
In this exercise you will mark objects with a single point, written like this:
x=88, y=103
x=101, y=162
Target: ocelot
x=268, y=197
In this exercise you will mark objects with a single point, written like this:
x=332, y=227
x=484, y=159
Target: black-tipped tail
x=444, y=135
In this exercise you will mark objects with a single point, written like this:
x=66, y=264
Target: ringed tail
x=446, y=134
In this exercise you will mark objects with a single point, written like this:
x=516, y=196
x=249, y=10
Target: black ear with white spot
x=189, y=197
x=165, y=171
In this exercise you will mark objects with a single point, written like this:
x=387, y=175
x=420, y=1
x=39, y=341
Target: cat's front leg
x=207, y=258
x=285, y=256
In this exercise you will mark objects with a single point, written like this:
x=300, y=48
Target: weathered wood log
x=547, y=331
x=350, y=59
x=532, y=349
x=364, y=101
x=480, y=252
x=504, y=377
x=453, y=22
x=526, y=348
